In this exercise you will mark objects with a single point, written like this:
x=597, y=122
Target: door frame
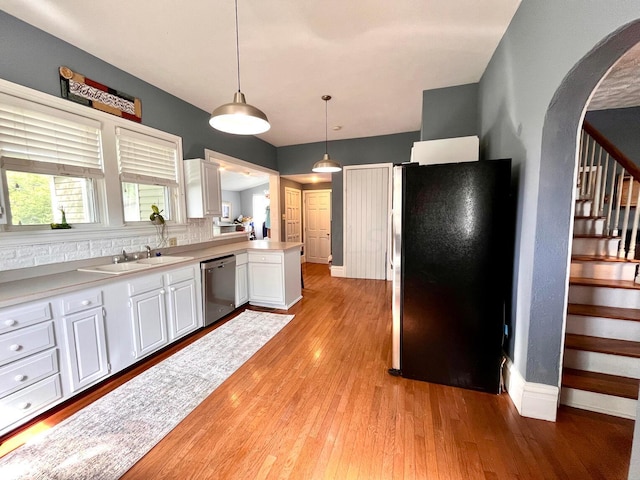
x=389, y=255
x=304, y=217
x=300, y=203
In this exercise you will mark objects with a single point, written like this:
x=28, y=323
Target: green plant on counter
x=161, y=227
x=156, y=216
x=63, y=222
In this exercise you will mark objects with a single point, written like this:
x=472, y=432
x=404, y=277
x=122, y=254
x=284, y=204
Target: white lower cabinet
x=148, y=321
x=29, y=369
x=163, y=308
x=85, y=343
x=242, y=280
x=274, y=279
x=184, y=312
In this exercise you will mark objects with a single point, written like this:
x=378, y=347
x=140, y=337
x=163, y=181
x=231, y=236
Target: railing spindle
x=590, y=174
x=596, y=194
x=631, y=253
x=603, y=189
x=625, y=221
x=611, y=197
x=583, y=165
x=616, y=224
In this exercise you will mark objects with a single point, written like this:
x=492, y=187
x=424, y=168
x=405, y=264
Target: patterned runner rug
x=106, y=438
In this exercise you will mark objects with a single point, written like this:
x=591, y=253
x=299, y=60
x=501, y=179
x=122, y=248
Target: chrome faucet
x=125, y=257
x=148, y=251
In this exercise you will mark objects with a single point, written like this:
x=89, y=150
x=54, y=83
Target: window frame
x=109, y=212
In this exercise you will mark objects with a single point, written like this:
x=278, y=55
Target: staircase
x=601, y=366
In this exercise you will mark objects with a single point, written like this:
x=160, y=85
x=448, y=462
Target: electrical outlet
x=173, y=241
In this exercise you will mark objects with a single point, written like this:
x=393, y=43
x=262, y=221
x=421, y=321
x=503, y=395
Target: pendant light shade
x=238, y=117
x=326, y=165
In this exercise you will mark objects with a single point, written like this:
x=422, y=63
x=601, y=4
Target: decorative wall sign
x=78, y=88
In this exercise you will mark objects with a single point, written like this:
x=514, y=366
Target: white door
x=317, y=225
x=293, y=226
x=367, y=226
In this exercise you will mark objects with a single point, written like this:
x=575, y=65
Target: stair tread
x=595, y=258
x=619, y=313
x=588, y=217
x=596, y=282
x=601, y=383
x=611, y=346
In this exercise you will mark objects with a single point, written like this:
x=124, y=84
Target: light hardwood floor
x=317, y=402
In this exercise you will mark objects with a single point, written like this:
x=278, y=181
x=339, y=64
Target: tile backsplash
x=36, y=253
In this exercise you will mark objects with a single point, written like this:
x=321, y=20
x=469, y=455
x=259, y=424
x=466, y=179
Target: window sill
x=36, y=236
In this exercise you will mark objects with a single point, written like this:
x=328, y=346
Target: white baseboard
x=533, y=400
x=337, y=271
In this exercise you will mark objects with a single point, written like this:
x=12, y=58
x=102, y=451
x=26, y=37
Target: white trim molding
x=533, y=400
x=337, y=270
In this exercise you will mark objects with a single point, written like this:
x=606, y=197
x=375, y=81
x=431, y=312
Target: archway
x=558, y=167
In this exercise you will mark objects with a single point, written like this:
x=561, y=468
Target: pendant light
x=326, y=165
x=238, y=117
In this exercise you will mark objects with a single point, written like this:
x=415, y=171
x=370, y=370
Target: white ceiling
x=375, y=57
x=620, y=88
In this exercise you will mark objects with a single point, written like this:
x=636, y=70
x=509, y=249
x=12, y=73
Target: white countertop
x=25, y=290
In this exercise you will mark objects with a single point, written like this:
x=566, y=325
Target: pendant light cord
x=326, y=134
x=237, y=46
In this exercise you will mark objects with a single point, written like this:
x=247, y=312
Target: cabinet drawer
x=18, y=317
x=28, y=371
x=26, y=341
x=265, y=257
x=241, y=259
x=145, y=284
x=29, y=400
x=181, y=275
x=81, y=301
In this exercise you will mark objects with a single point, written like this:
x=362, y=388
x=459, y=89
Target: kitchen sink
x=163, y=260
x=116, y=268
x=133, y=266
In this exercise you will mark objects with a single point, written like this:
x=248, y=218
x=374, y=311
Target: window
x=148, y=169
x=50, y=160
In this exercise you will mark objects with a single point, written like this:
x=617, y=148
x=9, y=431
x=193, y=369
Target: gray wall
x=31, y=57
x=531, y=100
x=359, y=151
x=236, y=202
x=622, y=127
x=450, y=112
x=246, y=199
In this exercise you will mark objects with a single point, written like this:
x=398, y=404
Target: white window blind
x=40, y=139
x=146, y=159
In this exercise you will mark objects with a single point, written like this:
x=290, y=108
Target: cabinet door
x=242, y=287
x=183, y=314
x=212, y=194
x=86, y=347
x=266, y=283
x=148, y=321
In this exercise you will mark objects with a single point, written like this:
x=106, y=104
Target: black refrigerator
x=452, y=244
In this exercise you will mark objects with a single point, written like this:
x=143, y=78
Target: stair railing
x=604, y=174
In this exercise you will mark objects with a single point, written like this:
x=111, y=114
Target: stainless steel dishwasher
x=219, y=287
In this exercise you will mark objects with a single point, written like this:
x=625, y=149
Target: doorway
x=293, y=214
x=317, y=225
x=367, y=221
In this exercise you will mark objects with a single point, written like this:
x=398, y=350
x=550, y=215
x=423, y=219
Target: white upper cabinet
x=203, y=193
